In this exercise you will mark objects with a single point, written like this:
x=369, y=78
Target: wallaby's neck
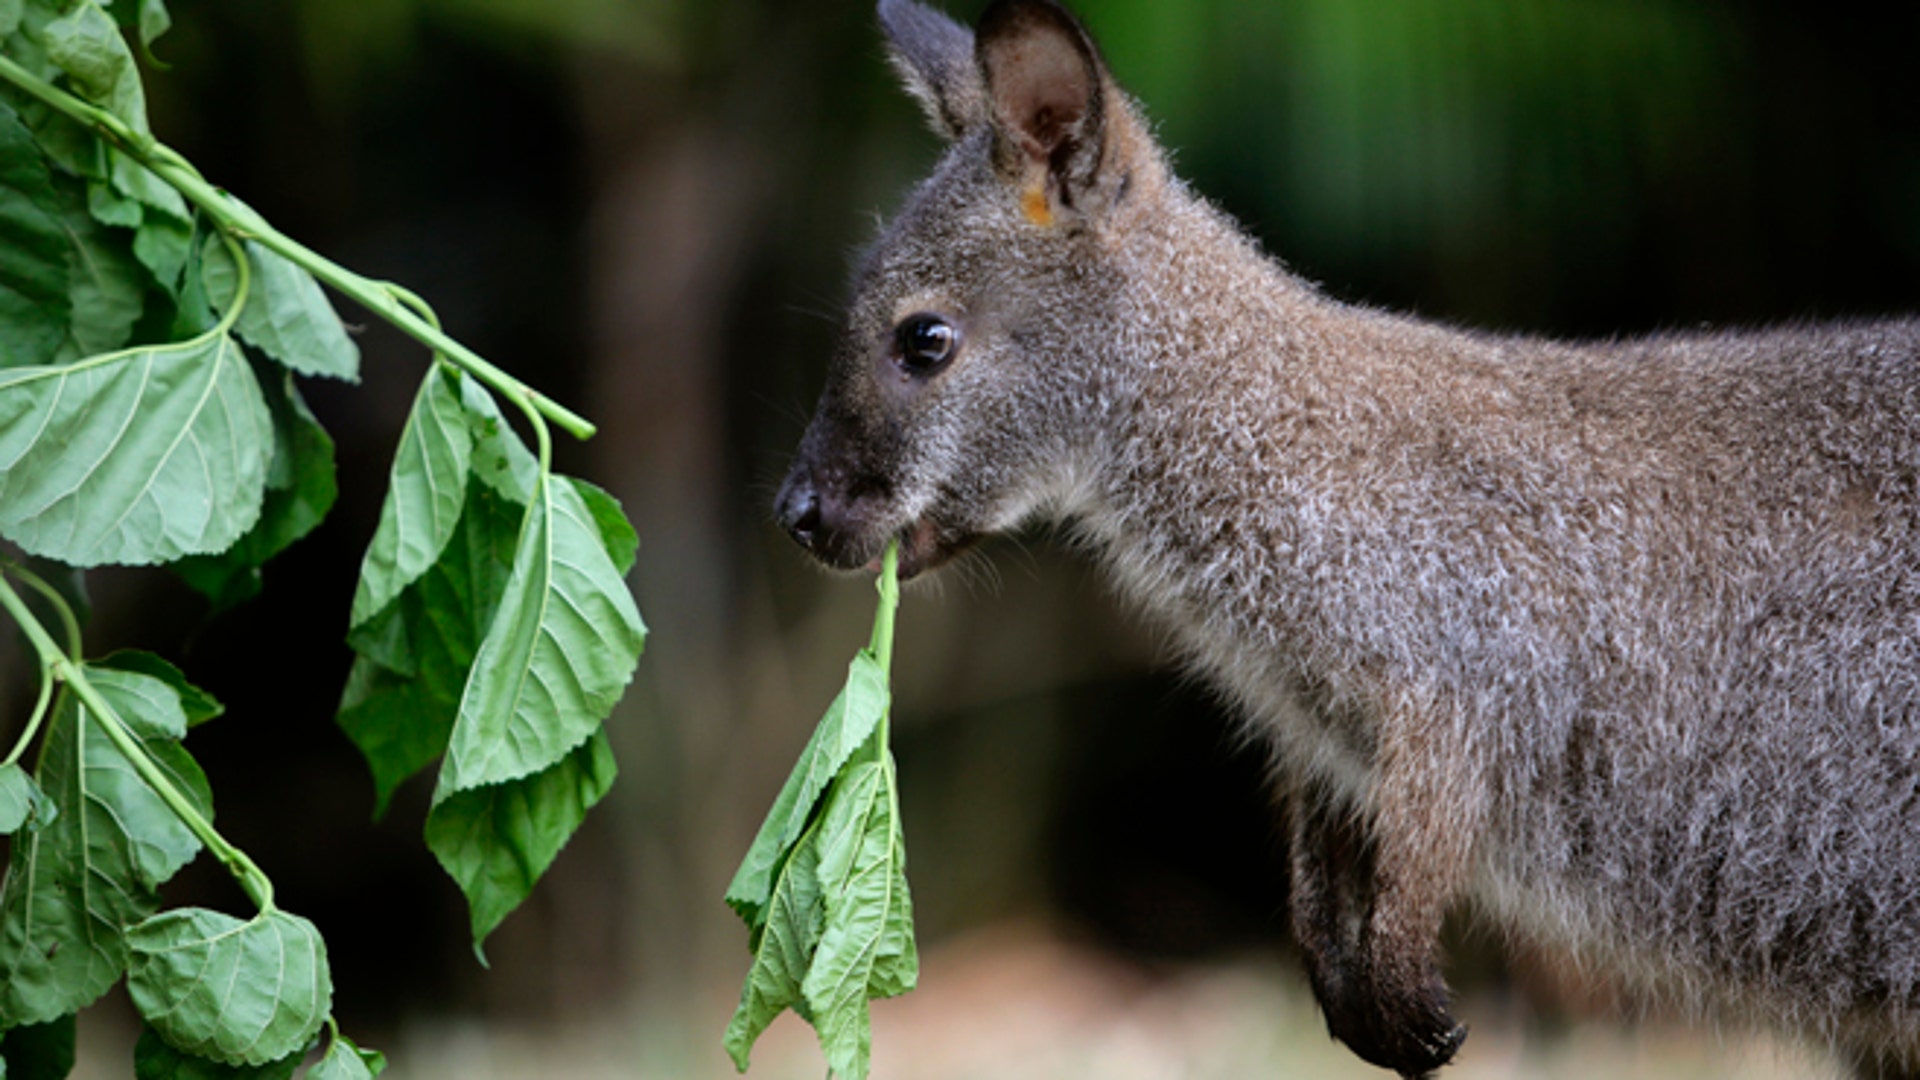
x=1252, y=418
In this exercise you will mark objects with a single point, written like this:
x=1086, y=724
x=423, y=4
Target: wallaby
x=1620, y=640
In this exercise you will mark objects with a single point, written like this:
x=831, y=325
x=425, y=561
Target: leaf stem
x=33, y=720
x=881, y=646
x=382, y=298
x=67, y=621
x=888, y=585
x=57, y=665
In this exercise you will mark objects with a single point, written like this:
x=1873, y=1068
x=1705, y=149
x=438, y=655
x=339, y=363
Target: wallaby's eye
x=923, y=344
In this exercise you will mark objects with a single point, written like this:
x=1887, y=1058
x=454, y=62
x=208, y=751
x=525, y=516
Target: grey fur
x=1619, y=641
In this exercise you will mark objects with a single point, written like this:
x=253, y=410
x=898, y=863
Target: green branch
x=384, y=299
x=56, y=665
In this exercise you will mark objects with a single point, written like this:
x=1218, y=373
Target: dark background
x=648, y=209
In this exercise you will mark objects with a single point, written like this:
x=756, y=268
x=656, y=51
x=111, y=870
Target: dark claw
x=1412, y=1037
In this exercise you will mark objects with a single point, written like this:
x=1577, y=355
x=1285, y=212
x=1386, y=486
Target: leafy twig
x=384, y=299
x=57, y=666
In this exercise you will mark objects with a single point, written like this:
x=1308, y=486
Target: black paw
x=1412, y=1033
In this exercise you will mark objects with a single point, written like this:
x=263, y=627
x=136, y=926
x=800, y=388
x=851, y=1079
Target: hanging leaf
x=849, y=722
x=139, y=456
x=426, y=488
x=823, y=890
x=495, y=841
x=404, y=690
x=783, y=948
x=866, y=947
x=78, y=881
x=286, y=316
x=237, y=992
x=559, y=652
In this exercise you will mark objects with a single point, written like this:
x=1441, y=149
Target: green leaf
x=616, y=532
x=87, y=45
x=154, y=20
x=150, y=16
x=22, y=803
x=866, y=946
x=75, y=883
x=783, y=950
x=405, y=687
x=153, y=1059
x=426, y=488
x=823, y=890
x=495, y=841
x=162, y=243
x=196, y=704
x=34, y=306
x=105, y=282
x=560, y=651
x=345, y=1061
x=109, y=207
x=38, y=1051
x=135, y=457
x=300, y=490
x=847, y=725
x=500, y=459
x=286, y=315
x=239, y=993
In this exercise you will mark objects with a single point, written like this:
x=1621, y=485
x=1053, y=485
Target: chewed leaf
x=139, y=456
x=496, y=841
x=562, y=646
x=286, y=315
x=782, y=953
x=80, y=879
x=242, y=993
x=426, y=488
x=848, y=723
x=824, y=888
x=866, y=946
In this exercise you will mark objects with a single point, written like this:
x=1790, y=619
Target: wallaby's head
x=968, y=382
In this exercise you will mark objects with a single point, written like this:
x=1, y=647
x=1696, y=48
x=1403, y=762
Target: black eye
x=923, y=344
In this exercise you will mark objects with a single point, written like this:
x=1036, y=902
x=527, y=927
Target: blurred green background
x=648, y=209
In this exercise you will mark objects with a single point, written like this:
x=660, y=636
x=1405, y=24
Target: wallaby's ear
x=934, y=56
x=1047, y=90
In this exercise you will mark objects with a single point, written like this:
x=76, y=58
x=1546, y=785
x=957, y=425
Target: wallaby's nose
x=798, y=510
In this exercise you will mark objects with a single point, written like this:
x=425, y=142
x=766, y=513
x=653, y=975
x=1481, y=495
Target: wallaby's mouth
x=925, y=546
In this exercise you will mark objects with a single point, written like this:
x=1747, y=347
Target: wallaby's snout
x=821, y=517
x=797, y=509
